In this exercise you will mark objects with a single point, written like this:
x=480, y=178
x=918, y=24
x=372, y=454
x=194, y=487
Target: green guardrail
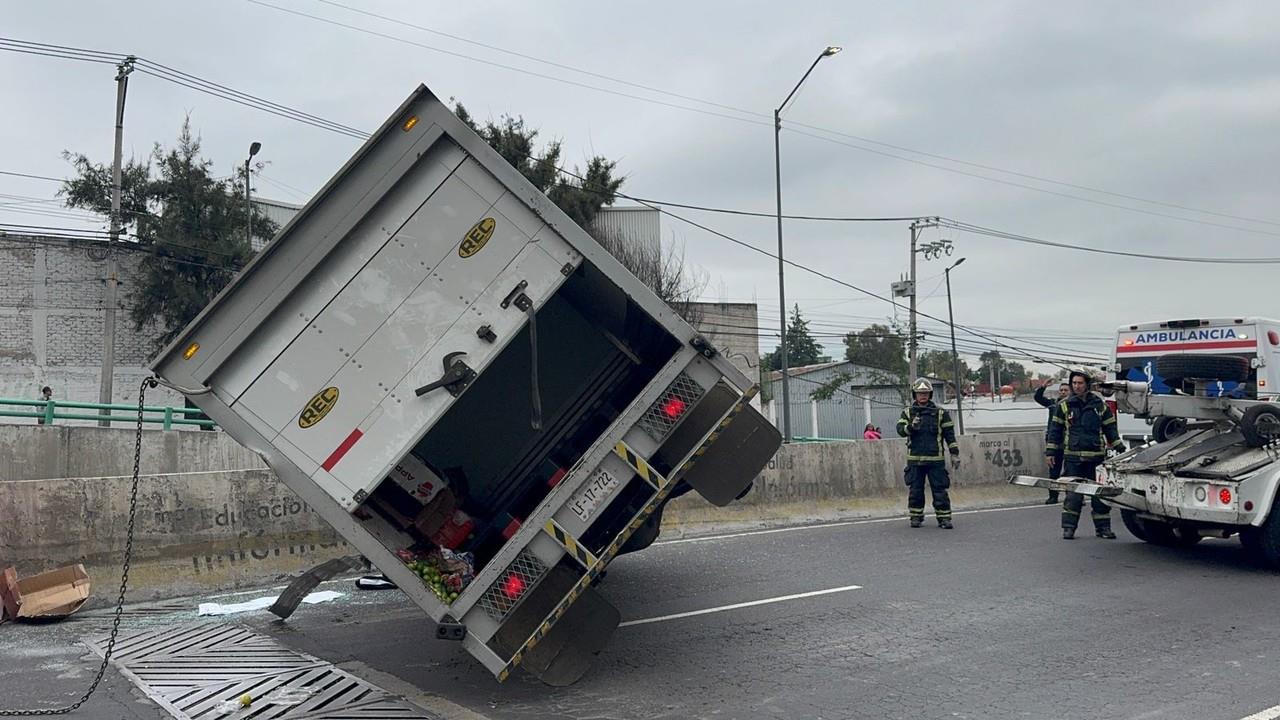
x=51, y=411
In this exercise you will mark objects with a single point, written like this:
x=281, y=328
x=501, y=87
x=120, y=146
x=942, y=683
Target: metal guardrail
x=50, y=411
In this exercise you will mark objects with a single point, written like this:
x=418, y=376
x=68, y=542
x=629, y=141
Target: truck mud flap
x=723, y=469
x=1080, y=486
x=568, y=647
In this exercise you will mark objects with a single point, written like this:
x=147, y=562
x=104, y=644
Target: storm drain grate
x=198, y=672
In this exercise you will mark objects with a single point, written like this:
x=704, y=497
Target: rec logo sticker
x=317, y=407
x=476, y=237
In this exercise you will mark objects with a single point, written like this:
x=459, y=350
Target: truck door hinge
x=700, y=344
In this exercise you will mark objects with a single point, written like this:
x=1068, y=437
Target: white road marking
x=736, y=606
x=824, y=526
x=1269, y=714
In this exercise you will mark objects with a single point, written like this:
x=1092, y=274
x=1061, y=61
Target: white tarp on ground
x=262, y=603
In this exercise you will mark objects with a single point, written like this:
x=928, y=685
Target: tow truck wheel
x=1177, y=368
x=1260, y=425
x=1167, y=428
x=1159, y=533
x=1133, y=524
x=1263, y=543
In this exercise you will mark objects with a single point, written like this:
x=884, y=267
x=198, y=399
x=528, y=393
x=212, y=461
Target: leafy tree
x=191, y=224
x=877, y=346
x=939, y=363
x=802, y=349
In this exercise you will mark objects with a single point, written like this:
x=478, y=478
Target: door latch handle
x=457, y=376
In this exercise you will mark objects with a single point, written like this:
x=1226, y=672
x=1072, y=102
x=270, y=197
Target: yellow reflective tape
x=570, y=543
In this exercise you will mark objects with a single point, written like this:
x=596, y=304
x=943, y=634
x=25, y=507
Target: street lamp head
x=831, y=50
x=956, y=264
x=254, y=148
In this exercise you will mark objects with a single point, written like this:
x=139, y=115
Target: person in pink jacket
x=870, y=432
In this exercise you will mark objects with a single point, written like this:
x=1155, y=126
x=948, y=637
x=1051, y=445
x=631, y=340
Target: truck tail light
x=1224, y=496
x=1273, y=337
x=674, y=408
x=669, y=409
x=512, y=585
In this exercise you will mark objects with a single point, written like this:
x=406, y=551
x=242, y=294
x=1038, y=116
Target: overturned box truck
x=465, y=385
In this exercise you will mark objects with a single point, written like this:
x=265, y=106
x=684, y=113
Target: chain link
x=124, y=577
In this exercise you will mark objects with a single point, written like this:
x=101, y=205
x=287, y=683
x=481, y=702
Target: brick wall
x=51, y=316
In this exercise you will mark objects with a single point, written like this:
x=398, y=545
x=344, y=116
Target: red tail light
x=674, y=408
x=513, y=586
x=1224, y=496
x=1273, y=337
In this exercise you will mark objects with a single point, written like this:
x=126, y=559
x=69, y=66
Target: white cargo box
x=432, y=354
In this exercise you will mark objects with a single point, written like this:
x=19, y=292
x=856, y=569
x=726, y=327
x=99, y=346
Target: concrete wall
x=33, y=452
x=195, y=533
x=211, y=518
x=731, y=328
x=865, y=477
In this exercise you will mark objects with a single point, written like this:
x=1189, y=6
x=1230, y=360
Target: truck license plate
x=589, y=496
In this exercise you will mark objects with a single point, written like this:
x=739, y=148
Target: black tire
x=645, y=535
x=1133, y=524
x=1166, y=534
x=1260, y=425
x=1176, y=368
x=1263, y=543
x=1166, y=428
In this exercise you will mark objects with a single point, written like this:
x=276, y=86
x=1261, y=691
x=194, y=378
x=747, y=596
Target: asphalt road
x=999, y=618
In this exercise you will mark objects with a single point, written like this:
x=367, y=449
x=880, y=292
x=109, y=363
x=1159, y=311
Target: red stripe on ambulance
x=1220, y=345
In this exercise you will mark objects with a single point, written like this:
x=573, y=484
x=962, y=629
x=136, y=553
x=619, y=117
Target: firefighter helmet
x=922, y=385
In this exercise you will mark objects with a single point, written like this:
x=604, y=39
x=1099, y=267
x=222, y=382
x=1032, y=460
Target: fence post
x=168, y=418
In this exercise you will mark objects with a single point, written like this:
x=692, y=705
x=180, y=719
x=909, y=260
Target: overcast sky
x=1170, y=102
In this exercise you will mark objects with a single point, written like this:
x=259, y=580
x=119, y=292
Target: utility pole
x=932, y=251
x=109, y=301
x=955, y=356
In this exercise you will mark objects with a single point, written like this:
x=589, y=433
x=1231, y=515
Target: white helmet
x=922, y=385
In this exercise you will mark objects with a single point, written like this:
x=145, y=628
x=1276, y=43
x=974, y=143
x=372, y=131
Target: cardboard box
x=434, y=515
x=47, y=596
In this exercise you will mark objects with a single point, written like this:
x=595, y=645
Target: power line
x=753, y=113
x=512, y=68
x=27, y=175
x=990, y=232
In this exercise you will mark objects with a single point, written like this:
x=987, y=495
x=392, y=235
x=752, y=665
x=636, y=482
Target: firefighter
x=1080, y=432
x=929, y=431
x=1055, y=470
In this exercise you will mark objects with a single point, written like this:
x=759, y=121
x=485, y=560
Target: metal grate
x=512, y=585
x=667, y=412
x=200, y=671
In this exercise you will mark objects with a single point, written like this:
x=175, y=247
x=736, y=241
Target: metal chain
x=124, y=576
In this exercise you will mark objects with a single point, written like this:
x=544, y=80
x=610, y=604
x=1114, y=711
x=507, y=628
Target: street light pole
x=782, y=282
x=955, y=356
x=254, y=147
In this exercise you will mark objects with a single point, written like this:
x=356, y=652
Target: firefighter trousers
x=1074, y=503
x=936, y=475
x=1055, y=472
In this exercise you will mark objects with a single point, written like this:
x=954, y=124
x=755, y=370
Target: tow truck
x=1216, y=478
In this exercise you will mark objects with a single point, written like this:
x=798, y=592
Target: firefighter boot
x=946, y=525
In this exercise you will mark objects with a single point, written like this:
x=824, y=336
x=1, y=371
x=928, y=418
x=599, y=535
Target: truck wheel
x=1133, y=525
x=1166, y=534
x=644, y=536
x=1263, y=543
x=1167, y=428
x=1260, y=425
x=1176, y=368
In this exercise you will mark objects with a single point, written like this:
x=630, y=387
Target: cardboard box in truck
x=471, y=390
